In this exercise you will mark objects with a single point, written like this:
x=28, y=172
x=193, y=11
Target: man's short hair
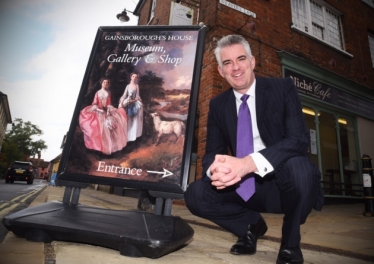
x=230, y=40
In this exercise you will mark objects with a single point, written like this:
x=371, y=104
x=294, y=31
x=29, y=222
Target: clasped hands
x=227, y=170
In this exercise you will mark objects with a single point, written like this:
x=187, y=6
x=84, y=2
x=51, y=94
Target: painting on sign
x=134, y=119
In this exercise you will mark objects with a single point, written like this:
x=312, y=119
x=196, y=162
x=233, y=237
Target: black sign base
x=132, y=233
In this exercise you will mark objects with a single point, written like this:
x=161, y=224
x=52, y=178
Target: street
x=15, y=197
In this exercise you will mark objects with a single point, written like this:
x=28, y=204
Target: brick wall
x=273, y=33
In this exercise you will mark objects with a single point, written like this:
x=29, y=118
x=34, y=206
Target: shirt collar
x=251, y=92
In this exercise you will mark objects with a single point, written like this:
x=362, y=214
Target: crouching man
x=260, y=122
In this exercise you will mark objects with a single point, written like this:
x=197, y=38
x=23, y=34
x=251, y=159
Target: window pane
x=299, y=15
x=318, y=31
x=349, y=158
x=317, y=13
x=329, y=153
x=317, y=20
x=333, y=29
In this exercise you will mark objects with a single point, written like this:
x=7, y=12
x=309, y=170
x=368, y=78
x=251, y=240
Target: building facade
x=5, y=116
x=325, y=46
x=41, y=167
x=53, y=168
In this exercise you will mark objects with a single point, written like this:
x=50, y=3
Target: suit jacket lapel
x=231, y=118
x=261, y=93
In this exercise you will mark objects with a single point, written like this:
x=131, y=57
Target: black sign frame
x=149, y=51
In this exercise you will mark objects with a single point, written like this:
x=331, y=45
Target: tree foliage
x=151, y=87
x=20, y=143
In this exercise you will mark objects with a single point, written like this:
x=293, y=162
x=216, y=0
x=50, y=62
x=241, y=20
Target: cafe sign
x=332, y=95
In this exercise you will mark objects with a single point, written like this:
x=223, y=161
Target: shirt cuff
x=263, y=165
x=208, y=173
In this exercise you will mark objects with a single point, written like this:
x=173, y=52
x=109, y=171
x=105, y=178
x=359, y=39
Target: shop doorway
x=333, y=147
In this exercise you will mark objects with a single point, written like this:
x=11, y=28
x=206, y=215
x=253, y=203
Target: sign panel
x=329, y=94
x=134, y=119
x=238, y=8
x=180, y=14
x=367, y=180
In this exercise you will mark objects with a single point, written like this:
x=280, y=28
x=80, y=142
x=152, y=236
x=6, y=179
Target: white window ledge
x=323, y=42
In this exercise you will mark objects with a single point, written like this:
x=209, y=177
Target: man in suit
x=285, y=180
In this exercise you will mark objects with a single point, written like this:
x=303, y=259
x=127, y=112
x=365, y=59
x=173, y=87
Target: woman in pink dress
x=102, y=124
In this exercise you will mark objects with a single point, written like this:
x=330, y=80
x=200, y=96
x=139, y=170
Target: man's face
x=237, y=67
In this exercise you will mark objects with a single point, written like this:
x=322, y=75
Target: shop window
x=371, y=46
x=349, y=157
x=333, y=148
x=319, y=20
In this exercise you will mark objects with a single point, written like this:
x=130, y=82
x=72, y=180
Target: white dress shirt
x=262, y=164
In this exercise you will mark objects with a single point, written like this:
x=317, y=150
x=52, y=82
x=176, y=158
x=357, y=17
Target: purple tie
x=244, y=146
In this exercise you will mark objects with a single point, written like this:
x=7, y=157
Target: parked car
x=20, y=171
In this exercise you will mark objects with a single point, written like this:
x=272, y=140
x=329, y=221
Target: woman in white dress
x=132, y=103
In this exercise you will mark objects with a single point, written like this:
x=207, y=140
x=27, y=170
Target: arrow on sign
x=165, y=172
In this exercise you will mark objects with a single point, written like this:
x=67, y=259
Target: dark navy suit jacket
x=279, y=119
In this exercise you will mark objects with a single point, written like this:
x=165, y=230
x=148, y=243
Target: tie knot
x=244, y=98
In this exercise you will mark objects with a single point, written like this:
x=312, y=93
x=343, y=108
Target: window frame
x=371, y=48
x=309, y=23
x=369, y=2
x=152, y=11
